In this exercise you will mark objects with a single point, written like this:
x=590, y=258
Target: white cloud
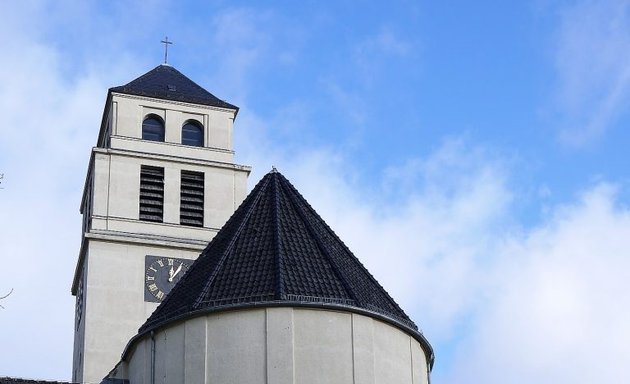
x=556, y=308
x=592, y=60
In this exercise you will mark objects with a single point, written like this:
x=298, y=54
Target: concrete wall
x=279, y=346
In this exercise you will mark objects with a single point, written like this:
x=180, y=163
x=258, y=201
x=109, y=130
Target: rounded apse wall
x=278, y=345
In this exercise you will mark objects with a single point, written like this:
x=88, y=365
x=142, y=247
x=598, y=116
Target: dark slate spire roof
x=166, y=82
x=276, y=250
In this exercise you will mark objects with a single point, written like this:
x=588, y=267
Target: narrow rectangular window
x=191, y=204
x=151, y=193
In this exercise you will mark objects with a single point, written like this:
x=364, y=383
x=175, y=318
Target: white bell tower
x=161, y=182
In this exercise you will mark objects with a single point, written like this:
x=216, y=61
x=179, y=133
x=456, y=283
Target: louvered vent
x=151, y=193
x=191, y=205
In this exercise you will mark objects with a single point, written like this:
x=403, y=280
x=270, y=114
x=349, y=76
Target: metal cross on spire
x=166, y=44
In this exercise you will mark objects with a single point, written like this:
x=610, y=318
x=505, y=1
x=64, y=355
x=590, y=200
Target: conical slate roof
x=166, y=82
x=276, y=251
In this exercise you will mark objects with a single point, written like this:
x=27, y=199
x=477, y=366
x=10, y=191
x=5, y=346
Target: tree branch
x=5, y=296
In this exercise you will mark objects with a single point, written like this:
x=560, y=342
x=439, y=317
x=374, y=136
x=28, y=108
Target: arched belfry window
x=153, y=128
x=192, y=133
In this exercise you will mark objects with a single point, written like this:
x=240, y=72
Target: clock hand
x=170, y=279
x=170, y=274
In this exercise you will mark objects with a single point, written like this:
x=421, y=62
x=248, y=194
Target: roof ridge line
x=228, y=249
x=278, y=239
x=323, y=249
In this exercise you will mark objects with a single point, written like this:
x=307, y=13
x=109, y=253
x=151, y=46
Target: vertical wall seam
x=372, y=321
x=266, y=365
x=411, y=359
x=206, y=347
x=164, y=366
x=109, y=186
x=234, y=203
x=352, y=346
x=206, y=129
x=293, y=345
x=114, y=130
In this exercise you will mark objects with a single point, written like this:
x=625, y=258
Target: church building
x=183, y=277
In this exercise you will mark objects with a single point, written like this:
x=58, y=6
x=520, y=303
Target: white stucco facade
x=276, y=345
x=111, y=265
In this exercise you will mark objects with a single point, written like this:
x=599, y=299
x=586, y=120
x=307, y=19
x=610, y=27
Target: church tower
x=161, y=182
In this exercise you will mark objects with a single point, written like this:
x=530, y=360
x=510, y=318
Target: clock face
x=160, y=276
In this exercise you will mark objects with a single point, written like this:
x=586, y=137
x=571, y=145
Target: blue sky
x=472, y=155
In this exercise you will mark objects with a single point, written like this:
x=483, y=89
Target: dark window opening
x=191, y=204
x=151, y=193
x=153, y=128
x=192, y=134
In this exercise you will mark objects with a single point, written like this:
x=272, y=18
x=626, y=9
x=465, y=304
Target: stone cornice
x=170, y=158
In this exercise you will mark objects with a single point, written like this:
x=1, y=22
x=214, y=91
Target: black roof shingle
x=166, y=82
